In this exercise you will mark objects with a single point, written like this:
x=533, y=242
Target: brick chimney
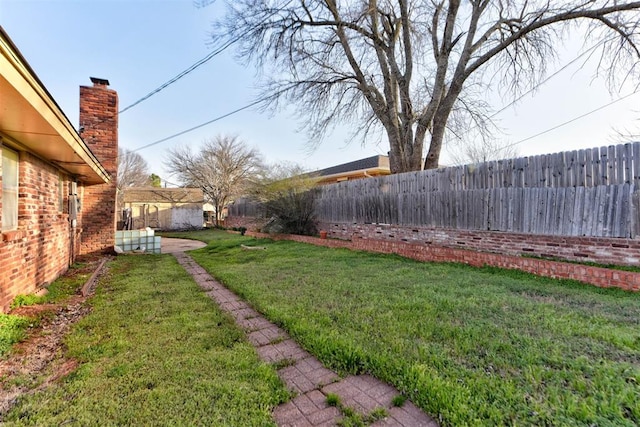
x=99, y=130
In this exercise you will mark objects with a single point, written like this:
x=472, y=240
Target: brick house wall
x=99, y=130
x=43, y=245
x=45, y=242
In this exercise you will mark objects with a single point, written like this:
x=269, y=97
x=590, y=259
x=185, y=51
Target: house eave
x=361, y=173
x=31, y=119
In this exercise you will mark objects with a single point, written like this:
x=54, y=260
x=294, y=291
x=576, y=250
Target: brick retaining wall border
x=601, y=250
x=602, y=277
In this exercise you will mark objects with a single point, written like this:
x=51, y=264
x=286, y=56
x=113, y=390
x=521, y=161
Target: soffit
x=30, y=117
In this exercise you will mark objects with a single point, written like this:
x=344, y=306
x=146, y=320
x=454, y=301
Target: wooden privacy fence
x=619, y=164
x=603, y=211
x=577, y=193
x=245, y=208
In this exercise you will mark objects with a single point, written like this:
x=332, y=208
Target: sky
x=140, y=44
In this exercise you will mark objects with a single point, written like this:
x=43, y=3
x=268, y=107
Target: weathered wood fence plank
x=589, y=192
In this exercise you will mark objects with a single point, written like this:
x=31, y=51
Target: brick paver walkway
x=303, y=373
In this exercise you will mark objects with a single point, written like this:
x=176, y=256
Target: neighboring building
x=57, y=192
x=165, y=208
x=363, y=168
x=210, y=214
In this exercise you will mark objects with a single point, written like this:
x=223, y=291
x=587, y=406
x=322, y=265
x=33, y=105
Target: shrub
x=289, y=199
x=292, y=213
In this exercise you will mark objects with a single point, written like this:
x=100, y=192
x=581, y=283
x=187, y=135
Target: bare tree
x=224, y=168
x=412, y=68
x=132, y=172
x=465, y=152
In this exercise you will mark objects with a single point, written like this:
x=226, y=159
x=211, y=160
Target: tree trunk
x=440, y=125
x=432, y=159
x=395, y=161
x=408, y=159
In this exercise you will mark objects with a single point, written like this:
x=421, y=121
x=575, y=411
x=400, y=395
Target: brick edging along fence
x=598, y=250
x=598, y=276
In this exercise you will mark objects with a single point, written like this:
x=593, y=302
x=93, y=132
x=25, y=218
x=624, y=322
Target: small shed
x=163, y=208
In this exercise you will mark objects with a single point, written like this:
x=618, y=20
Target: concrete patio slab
x=171, y=245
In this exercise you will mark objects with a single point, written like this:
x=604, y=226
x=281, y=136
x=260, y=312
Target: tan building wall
x=166, y=216
x=165, y=208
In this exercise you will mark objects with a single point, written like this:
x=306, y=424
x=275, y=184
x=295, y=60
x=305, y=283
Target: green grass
x=204, y=235
x=13, y=328
x=58, y=290
x=470, y=346
x=398, y=400
x=156, y=351
x=351, y=418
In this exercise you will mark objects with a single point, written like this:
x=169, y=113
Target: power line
x=171, y=183
x=537, y=86
x=202, y=124
x=181, y=74
x=573, y=120
x=547, y=79
x=211, y=55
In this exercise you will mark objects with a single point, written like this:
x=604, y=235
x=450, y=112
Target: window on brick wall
x=9, y=173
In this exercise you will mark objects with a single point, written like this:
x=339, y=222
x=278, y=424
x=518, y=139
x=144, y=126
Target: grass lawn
x=13, y=328
x=156, y=351
x=470, y=346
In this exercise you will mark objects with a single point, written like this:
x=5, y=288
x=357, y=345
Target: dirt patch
x=39, y=361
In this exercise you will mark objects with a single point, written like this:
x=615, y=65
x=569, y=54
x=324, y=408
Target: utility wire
x=546, y=80
x=533, y=89
x=573, y=120
x=201, y=125
x=208, y=57
x=182, y=74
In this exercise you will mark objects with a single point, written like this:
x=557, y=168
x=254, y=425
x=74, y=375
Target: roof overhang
x=163, y=195
x=31, y=119
x=361, y=173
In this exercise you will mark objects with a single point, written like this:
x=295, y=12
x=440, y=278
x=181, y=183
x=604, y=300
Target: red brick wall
x=99, y=121
x=592, y=249
x=601, y=277
x=44, y=243
x=244, y=221
x=40, y=249
x=599, y=250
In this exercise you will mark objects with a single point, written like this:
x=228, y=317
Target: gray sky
x=138, y=45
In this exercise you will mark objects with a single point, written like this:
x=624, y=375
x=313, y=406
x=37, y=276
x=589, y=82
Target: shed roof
x=163, y=195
